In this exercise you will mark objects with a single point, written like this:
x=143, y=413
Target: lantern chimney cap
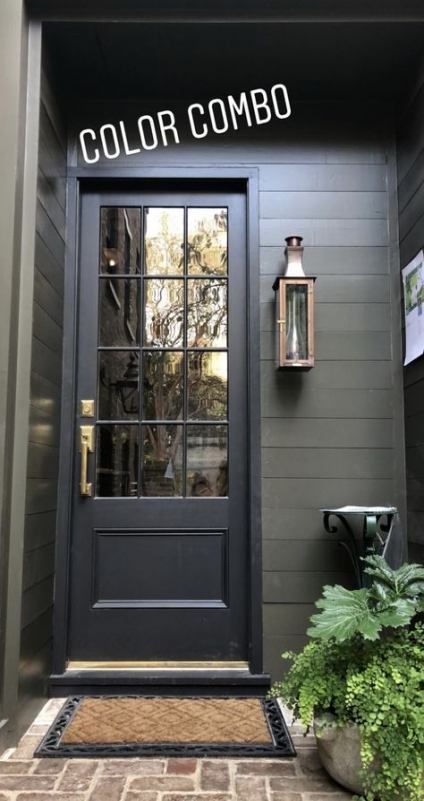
x=294, y=253
x=294, y=241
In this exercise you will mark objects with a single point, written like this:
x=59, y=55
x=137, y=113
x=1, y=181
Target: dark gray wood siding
x=327, y=435
x=46, y=376
x=410, y=166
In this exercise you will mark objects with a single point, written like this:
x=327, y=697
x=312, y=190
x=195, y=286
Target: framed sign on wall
x=413, y=298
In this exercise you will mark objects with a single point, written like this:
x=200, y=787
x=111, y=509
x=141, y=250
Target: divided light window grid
x=162, y=398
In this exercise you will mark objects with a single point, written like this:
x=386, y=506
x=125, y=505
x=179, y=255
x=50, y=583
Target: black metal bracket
x=377, y=528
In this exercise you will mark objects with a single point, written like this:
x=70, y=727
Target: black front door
x=159, y=550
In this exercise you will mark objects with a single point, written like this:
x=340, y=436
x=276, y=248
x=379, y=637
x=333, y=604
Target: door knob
x=86, y=447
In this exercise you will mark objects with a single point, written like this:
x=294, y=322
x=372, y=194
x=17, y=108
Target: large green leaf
x=399, y=613
x=345, y=613
x=407, y=580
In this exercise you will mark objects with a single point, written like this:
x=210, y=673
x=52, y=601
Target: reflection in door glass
x=117, y=461
x=207, y=313
x=163, y=241
x=163, y=312
x=162, y=471
x=163, y=384
x=118, y=385
x=207, y=385
x=207, y=460
x=119, y=306
x=162, y=380
x=207, y=241
x=119, y=240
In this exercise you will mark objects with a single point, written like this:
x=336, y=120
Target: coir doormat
x=112, y=726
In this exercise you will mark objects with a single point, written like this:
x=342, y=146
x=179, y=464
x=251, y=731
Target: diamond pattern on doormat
x=153, y=726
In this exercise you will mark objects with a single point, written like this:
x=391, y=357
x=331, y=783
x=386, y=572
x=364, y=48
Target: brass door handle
x=86, y=447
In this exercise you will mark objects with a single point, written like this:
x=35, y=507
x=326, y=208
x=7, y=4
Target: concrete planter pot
x=339, y=748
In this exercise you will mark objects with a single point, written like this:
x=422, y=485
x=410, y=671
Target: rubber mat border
x=51, y=744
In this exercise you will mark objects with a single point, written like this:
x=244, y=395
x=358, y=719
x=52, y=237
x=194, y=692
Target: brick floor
x=23, y=778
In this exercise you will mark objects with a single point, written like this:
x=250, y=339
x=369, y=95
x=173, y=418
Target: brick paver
x=23, y=778
x=215, y=775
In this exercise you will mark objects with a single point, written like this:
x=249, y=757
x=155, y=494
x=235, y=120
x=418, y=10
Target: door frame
x=247, y=179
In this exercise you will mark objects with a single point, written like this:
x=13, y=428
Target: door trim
x=220, y=177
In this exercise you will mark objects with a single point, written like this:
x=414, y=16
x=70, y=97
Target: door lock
x=87, y=408
x=86, y=447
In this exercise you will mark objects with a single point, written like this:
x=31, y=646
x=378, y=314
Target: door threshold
x=186, y=681
x=149, y=666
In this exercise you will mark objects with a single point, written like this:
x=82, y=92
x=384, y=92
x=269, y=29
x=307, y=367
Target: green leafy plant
x=394, y=598
x=365, y=665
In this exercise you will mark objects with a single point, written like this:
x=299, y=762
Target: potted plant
x=361, y=680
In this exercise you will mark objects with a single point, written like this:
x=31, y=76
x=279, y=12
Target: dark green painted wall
x=410, y=165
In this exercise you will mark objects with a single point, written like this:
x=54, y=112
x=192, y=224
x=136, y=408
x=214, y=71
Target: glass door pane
x=171, y=383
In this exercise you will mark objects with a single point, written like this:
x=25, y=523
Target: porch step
x=163, y=682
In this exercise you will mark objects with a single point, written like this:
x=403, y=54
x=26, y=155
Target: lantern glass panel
x=296, y=322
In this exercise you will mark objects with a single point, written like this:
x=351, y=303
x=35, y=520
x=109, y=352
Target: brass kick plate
x=87, y=408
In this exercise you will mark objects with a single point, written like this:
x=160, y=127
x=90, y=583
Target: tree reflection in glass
x=164, y=241
x=207, y=385
x=177, y=396
x=163, y=385
x=207, y=241
x=162, y=460
x=207, y=461
x=207, y=313
x=164, y=312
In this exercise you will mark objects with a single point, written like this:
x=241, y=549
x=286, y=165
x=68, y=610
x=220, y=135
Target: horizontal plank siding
x=326, y=462
x=345, y=345
x=46, y=379
x=319, y=260
x=332, y=372
x=333, y=433
x=39, y=530
x=327, y=231
x=298, y=586
x=310, y=178
x=49, y=297
x=38, y=565
x=337, y=318
x=309, y=556
x=48, y=266
x=342, y=289
x=276, y=646
x=36, y=635
x=36, y=600
x=327, y=435
x=43, y=426
x=279, y=623
x=296, y=524
x=314, y=493
x=45, y=361
x=300, y=401
x=42, y=461
x=410, y=167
